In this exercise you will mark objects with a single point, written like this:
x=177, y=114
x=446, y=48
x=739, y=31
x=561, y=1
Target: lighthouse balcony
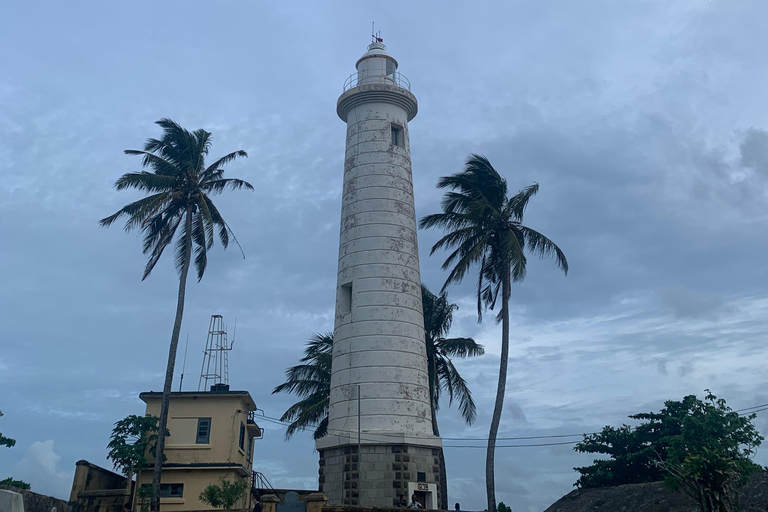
x=395, y=78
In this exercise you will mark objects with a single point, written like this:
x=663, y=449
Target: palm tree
x=179, y=185
x=485, y=229
x=311, y=381
x=438, y=316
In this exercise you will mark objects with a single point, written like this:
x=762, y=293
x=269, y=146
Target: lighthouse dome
x=376, y=65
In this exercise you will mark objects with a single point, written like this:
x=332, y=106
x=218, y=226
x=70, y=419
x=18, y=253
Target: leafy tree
x=700, y=447
x=711, y=459
x=485, y=229
x=133, y=439
x=6, y=441
x=179, y=187
x=15, y=483
x=503, y=507
x=225, y=494
x=311, y=381
x=9, y=443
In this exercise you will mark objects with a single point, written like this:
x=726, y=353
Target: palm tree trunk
x=490, y=483
x=160, y=446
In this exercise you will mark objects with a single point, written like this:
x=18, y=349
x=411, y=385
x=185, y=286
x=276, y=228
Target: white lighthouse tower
x=380, y=446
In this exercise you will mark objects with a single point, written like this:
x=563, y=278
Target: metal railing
x=360, y=78
x=260, y=482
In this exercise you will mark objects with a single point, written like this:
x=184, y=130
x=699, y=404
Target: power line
x=338, y=433
x=516, y=438
x=509, y=445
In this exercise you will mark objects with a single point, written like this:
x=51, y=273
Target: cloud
x=754, y=151
x=686, y=303
x=40, y=468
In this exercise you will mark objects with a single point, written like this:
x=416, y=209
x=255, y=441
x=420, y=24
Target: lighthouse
x=380, y=446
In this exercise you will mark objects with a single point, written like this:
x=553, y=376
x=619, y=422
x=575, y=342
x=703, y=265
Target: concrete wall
x=34, y=502
x=379, y=340
x=90, y=477
x=226, y=410
x=195, y=481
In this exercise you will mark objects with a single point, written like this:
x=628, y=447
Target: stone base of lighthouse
x=387, y=472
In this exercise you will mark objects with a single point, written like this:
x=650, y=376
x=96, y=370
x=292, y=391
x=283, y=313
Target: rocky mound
x=653, y=497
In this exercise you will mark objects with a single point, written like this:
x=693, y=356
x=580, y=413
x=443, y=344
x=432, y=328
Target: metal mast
x=215, y=369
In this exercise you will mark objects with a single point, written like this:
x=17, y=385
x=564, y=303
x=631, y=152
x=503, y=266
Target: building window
x=167, y=490
x=421, y=477
x=242, y=436
x=203, y=431
x=397, y=135
x=345, y=298
x=250, y=447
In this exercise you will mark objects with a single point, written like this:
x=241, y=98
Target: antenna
x=215, y=369
x=375, y=38
x=184, y=366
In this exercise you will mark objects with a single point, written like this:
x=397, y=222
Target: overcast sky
x=644, y=122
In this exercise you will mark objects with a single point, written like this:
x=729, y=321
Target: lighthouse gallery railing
x=361, y=78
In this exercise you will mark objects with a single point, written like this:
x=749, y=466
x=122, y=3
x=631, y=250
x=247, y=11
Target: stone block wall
x=34, y=502
x=386, y=472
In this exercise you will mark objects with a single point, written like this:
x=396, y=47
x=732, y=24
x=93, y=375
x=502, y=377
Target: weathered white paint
x=11, y=501
x=379, y=340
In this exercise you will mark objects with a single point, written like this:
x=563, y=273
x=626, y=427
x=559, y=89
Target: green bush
x=224, y=495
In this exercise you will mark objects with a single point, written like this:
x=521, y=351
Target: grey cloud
x=685, y=303
x=754, y=150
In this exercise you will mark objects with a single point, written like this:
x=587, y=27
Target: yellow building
x=212, y=435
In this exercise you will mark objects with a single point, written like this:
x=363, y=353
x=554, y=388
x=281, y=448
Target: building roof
x=156, y=395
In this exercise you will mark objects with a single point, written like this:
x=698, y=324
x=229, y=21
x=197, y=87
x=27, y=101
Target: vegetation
x=6, y=441
x=133, y=438
x=504, y=508
x=443, y=376
x=311, y=381
x=179, y=187
x=700, y=447
x=485, y=229
x=15, y=483
x=225, y=494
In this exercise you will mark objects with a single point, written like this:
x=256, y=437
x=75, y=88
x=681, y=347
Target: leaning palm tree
x=485, y=228
x=179, y=187
x=443, y=376
x=311, y=381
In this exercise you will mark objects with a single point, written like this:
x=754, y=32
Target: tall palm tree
x=311, y=381
x=485, y=228
x=179, y=185
x=438, y=317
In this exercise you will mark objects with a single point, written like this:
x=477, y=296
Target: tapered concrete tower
x=379, y=351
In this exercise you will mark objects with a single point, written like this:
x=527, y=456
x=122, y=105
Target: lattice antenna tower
x=215, y=369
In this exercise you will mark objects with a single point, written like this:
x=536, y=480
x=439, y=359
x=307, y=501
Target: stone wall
x=34, y=502
x=95, y=489
x=386, y=472
x=90, y=477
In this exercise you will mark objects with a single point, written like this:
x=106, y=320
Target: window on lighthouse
x=397, y=135
x=345, y=298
